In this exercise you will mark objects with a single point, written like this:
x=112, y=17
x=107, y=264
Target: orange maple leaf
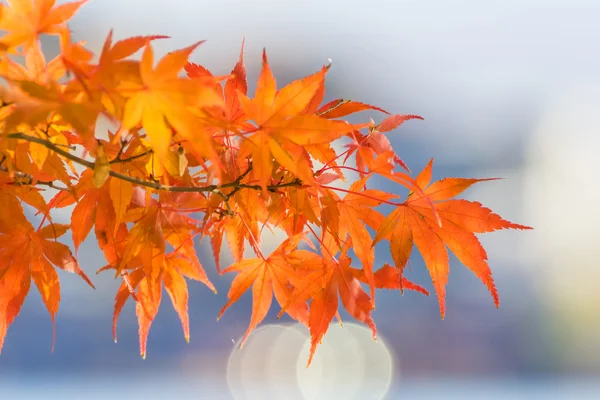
x=236, y=82
x=340, y=108
x=267, y=276
x=25, y=20
x=351, y=216
x=415, y=222
x=283, y=127
x=323, y=279
x=161, y=99
x=148, y=294
x=388, y=277
x=29, y=254
x=155, y=225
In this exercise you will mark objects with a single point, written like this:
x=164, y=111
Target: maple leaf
x=96, y=208
x=415, y=222
x=267, y=276
x=155, y=225
x=340, y=108
x=322, y=280
x=388, y=277
x=121, y=193
x=394, y=121
x=282, y=126
x=160, y=101
x=122, y=49
x=85, y=211
x=25, y=20
x=148, y=294
x=102, y=80
x=27, y=194
x=236, y=82
x=375, y=142
x=353, y=214
x=35, y=69
x=28, y=254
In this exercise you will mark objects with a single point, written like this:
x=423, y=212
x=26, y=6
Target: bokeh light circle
x=347, y=364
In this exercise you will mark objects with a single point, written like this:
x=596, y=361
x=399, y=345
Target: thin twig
x=121, y=149
x=118, y=160
x=29, y=180
x=242, y=176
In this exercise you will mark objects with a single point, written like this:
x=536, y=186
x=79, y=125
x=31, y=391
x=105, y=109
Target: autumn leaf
x=282, y=126
x=322, y=281
x=148, y=295
x=375, y=143
x=267, y=277
x=25, y=20
x=340, y=108
x=27, y=254
x=388, y=277
x=161, y=99
x=123, y=293
x=235, y=83
x=355, y=214
x=53, y=231
x=415, y=222
x=394, y=121
x=123, y=48
x=120, y=193
x=154, y=227
x=101, y=167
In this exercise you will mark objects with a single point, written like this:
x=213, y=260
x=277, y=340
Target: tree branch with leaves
x=195, y=156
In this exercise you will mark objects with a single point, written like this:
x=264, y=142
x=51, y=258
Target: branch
x=242, y=176
x=141, y=182
x=119, y=160
x=52, y=147
x=29, y=180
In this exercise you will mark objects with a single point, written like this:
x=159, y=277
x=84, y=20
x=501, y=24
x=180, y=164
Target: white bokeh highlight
x=348, y=364
x=561, y=197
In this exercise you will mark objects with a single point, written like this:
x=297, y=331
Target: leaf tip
x=264, y=56
x=309, y=360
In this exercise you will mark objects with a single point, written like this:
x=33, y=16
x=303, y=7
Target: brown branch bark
x=150, y=184
x=29, y=180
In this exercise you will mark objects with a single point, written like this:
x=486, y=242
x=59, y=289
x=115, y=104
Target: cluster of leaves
x=194, y=156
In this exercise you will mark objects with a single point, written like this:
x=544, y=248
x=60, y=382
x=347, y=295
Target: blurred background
x=507, y=88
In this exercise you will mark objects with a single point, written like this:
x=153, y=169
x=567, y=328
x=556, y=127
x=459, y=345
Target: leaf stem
x=119, y=160
x=361, y=194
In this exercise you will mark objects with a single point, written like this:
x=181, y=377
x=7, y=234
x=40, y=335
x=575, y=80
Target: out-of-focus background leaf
x=507, y=89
